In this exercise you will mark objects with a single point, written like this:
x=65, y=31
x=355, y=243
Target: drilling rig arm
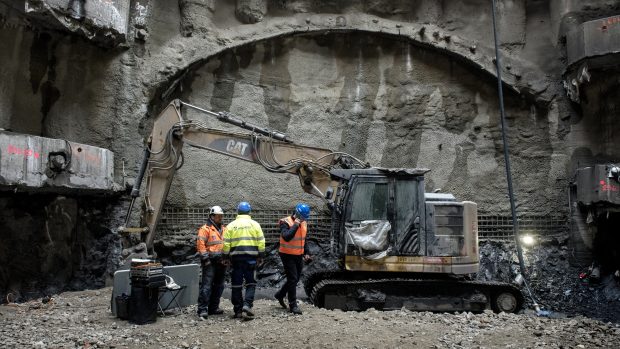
x=270, y=149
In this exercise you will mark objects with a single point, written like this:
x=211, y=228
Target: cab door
x=408, y=217
x=367, y=215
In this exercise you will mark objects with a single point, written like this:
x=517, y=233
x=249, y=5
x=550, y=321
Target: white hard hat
x=216, y=210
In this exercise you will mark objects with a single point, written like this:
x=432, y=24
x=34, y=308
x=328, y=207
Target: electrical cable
x=513, y=210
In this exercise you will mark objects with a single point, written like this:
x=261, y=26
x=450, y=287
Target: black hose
x=135, y=191
x=513, y=210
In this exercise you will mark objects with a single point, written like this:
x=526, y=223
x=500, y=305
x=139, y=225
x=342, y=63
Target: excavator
x=391, y=244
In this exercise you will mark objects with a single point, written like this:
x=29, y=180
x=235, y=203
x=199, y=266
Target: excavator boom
x=271, y=149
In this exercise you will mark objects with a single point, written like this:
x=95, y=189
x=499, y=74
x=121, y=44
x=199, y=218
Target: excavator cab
x=386, y=222
x=401, y=247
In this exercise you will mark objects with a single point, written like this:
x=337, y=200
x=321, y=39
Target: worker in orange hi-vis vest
x=209, y=245
x=293, y=252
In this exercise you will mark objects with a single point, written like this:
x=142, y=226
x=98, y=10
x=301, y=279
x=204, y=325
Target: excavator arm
x=271, y=149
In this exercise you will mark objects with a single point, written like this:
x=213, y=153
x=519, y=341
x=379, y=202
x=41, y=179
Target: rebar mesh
x=491, y=227
x=500, y=227
x=175, y=220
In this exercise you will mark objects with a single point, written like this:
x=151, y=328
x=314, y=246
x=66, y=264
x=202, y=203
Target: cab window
x=369, y=202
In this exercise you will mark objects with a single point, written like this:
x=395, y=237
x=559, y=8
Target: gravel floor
x=82, y=319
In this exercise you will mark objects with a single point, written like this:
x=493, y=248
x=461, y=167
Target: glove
x=307, y=258
x=259, y=261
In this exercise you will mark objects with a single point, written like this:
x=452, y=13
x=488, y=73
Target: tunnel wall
x=401, y=83
x=389, y=101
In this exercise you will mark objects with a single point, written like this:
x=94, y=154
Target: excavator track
x=416, y=294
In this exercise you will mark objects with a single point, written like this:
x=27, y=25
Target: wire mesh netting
x=490, y=227
x=500, y=227
x=179, y=219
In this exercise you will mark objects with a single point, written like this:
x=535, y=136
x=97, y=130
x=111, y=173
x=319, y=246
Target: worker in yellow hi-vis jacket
x=244, y=247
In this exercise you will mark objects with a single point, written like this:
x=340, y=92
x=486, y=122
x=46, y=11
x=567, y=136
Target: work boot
x=217, y=311
x=203, y=315
x=238, y=316
x=281, y=301
x=247, y=311
x=295, y=310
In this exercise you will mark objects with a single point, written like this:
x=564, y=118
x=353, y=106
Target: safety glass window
x=369, y=202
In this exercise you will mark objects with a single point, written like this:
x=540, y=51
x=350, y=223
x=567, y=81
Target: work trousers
x=293, y=265
x=243, y=270
x=213, y=275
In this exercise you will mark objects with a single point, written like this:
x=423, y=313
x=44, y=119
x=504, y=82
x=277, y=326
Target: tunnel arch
x=469, y=154
x=469, y=52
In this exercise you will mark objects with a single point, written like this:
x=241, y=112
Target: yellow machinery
x=393, y=245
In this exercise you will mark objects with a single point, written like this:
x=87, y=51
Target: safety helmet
x=244, y=207
x=216, y=210
x=302, y=210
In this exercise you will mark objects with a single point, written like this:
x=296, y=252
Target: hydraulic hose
x=135, y=191
x=513, y=211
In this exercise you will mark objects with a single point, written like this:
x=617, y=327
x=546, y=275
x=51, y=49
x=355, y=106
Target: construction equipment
x=392, y=244
x=594, y=204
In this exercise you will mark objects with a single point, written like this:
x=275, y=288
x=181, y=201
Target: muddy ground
x=82, y=319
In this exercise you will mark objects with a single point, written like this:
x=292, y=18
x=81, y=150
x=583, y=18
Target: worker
x=244, y=248
x=293, y=253
x=209, y=245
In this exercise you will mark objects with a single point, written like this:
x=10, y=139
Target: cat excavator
x=392, y=245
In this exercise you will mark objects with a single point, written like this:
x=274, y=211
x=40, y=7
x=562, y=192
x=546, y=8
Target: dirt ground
x=83, y=319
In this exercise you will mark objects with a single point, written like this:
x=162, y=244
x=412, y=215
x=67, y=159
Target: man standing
x=209, y=245
x=293, y=252
x=244, y=247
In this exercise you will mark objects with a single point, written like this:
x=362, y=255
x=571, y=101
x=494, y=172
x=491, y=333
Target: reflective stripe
x=251, y=253
x=209, y=239
x=297, y=239
x=244, y=238
x=292, y=246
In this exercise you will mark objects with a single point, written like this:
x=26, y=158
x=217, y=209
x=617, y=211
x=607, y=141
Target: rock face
x=251, y=11
x=397, y=83
x=52, y=243
x=387, y=101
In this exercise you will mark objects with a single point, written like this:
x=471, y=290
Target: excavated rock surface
x=54, y=243
x=82, y=319
x=554, y=282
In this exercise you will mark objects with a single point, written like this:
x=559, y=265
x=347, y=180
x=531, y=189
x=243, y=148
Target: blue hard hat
x=244, y=207
x=303, y=210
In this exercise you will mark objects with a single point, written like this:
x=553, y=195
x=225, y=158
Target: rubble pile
x=556, y=284
x=177, y=248
x=82, y=319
